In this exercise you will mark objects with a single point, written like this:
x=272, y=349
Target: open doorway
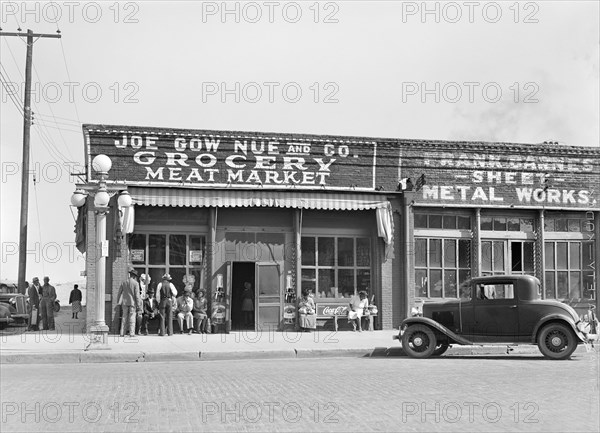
x=242, y=272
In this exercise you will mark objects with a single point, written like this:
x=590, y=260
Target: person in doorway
x=129, y=300
x=150, y=310
x=185, y=304
x=358, y=305
x=248, y=304
x=75, y=300
x=34, y=305
x=307, y=313
x=199, y=313
x=47, y=304
x=165, y=293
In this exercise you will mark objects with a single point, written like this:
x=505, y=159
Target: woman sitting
x=358, y=306
x=307, y=312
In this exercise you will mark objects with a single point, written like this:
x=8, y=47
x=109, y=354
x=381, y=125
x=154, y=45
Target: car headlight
x=414, y=311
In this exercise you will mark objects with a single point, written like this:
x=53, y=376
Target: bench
x=337, y=311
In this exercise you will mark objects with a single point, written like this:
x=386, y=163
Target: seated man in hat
x=185, y=304
x=199, y=312
x=150, y=311
x=130, y=301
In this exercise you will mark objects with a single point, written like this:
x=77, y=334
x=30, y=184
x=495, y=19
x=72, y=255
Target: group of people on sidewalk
x=42, y=300
x=139, y=306
x=307, y=311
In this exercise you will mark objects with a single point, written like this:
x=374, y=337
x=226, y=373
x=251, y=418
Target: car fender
x=557, y=317
x=437, y=326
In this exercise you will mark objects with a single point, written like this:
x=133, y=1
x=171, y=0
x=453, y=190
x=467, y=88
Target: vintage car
x=5, y=316
x=496, y=309
x=17, y=305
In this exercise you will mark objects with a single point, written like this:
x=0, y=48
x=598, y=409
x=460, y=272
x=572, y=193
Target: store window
x=510, y=224
x=499, y=257
x=336, y=266
x=177, y=254
x=441, y=265
x=569, y=270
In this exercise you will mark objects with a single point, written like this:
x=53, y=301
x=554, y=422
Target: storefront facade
x=335, y=215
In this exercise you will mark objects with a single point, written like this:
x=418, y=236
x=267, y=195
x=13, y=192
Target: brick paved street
x=524, y=393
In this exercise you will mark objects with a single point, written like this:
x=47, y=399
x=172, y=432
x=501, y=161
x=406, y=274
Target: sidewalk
x=67, y=345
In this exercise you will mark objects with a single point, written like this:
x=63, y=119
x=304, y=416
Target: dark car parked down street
x=500, y=309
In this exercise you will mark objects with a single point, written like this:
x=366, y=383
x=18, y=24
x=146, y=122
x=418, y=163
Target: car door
x=495, y=313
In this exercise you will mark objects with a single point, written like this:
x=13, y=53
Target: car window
x=495, y=291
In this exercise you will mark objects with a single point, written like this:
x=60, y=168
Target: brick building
x=401, y=219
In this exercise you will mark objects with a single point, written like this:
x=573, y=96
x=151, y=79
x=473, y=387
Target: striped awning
x=187, y=197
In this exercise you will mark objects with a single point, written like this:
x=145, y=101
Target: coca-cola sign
x=332, y=310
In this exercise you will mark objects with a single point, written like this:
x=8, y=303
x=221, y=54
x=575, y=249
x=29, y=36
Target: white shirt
x=159, y=289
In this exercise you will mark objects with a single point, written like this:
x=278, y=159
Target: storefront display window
x=176, y=254
x=569, y=270
x=336, y=267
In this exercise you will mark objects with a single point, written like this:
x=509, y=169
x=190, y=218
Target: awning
x=186, y=197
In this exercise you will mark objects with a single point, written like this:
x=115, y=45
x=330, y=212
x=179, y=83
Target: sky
x=524, y=72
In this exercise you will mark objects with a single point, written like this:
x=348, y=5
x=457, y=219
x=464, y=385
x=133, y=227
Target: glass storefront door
x=269, y=295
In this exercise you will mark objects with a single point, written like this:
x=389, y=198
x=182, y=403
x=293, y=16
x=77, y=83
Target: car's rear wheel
x=418, y=341
x=556, y=341
x=440, y=349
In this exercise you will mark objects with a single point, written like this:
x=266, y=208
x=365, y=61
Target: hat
x=133, y=271
x=362, y=292
x=201, y=291
x=150, y=290
x=187, y=292
x=167, y=277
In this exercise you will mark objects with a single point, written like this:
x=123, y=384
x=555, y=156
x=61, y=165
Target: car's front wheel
x=556, y=341
x=418, y=341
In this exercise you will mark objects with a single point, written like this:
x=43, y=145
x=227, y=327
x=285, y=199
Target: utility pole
x=26, y=136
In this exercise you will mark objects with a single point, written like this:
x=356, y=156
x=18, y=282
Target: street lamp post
x=101, y=165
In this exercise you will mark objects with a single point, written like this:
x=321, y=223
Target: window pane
x=345, y=252
x=575, y=284
x=562, y=284
x=500, y=224
x=420, y=282
x=549, y=224
x=308, y=251
x=574, y=225
x=326, y=251
x=363, y=280
x=196, y=249
x=420, y=221
x=464, y=253
x=435, y=253
x=177, y=275
x=157, y=249
x=549, y=255
x=450, y=284
x=449, y=221
x=549, y=287
x=486, y=256
x=463, y=275
x=587, y=225
x=137, y=248
x=574, y=255
x=528, y=257
x=464, y=222
x=346, y=282
x=450, y=253
x=326, y=280
x=588, y=284
x=527, y=225
x=561, y=255
x=560, y=224
x=588, y=255
x=436, y=283
x=177, y=250
x=421, y=252
x=513, y=224
x=435, y=221
x=516, y=256
x=486, y=223
x=309, y=280
x=499, y=256
x=363, y=252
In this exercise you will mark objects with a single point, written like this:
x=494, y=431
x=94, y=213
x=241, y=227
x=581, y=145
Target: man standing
x=164, y=294
x=129, y=300
x=47, y=304
x=34, y=305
